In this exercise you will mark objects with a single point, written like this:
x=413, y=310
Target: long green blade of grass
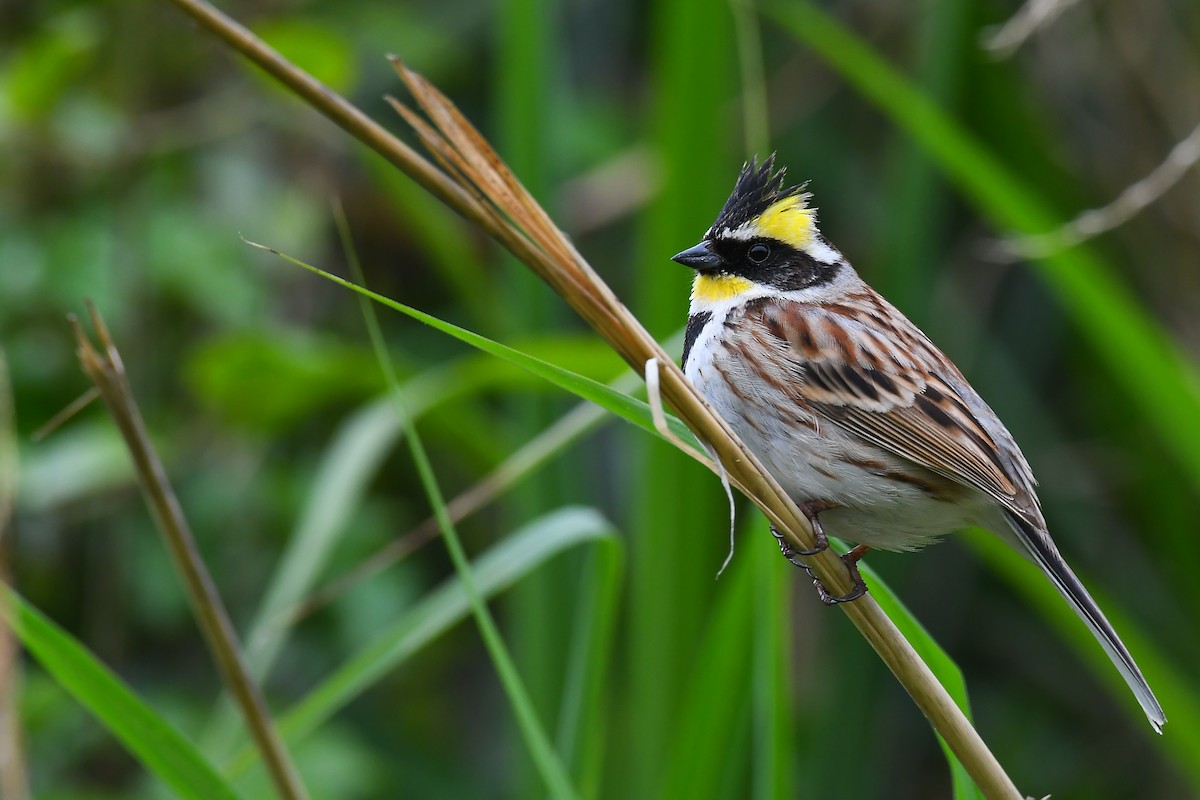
x=1141, y=358
x=497, y=569
x=160, y=748
x=628, y=408
x=549, y=765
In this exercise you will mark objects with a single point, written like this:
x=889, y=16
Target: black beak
x=702, y=257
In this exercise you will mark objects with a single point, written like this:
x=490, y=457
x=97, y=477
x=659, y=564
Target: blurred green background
x=136, y=150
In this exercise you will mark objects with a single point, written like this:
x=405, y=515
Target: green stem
x=553, y=774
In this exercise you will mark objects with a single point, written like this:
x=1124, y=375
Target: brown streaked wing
x=894, y=396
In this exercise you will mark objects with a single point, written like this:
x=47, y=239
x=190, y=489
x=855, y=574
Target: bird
x=867, y=425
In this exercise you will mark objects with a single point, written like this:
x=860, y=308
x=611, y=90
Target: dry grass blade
x=59, y=419
x=107, y=372
x=1089, y=224
x=595, y=302
x=1029, y=19
x=501, y=228
x=561, y=264
x=487, y=168
x=450, y=160
x=13, y=782
x=478, y=163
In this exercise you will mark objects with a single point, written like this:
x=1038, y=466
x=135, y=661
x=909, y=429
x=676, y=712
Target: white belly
x=883, y=501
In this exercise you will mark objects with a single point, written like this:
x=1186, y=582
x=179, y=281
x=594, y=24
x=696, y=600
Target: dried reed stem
x=105, y=368
x=14, y=784
x=477, y=184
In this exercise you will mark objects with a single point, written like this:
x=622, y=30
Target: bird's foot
x=811, y=511
x=851, y=560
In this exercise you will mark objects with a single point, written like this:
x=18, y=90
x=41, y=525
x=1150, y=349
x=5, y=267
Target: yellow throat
x=718, y=287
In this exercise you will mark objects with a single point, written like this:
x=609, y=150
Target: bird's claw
x=851, y=561
x=811, y=511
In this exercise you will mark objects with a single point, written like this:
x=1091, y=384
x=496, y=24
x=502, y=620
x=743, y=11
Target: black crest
x=758, y=188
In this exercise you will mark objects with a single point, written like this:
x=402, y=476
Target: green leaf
x=584, y=713
x=443, y=608
x=624, y=406
x=703, y=732
x=550, y=766
x=345, y=471
x=148, y=737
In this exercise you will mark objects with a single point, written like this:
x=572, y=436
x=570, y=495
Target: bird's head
x=764, y=241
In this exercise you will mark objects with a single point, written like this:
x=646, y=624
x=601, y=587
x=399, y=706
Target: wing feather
x=892, y=387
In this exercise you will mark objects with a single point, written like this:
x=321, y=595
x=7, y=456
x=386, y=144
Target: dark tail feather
x=1038, y=545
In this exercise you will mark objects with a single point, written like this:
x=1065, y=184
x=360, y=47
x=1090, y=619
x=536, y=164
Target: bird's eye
x=758, y=253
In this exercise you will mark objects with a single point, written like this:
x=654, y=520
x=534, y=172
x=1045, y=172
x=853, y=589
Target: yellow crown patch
x=790, y=221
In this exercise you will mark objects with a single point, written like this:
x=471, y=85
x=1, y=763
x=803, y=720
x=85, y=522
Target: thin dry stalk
x=1135, y=198
x=1029, y=19
x=516, y=221
x=59, y=419
x=14, y=784
x=562, y=267
x=107, y=372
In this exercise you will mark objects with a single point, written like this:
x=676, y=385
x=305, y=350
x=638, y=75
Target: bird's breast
x=886, y=501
